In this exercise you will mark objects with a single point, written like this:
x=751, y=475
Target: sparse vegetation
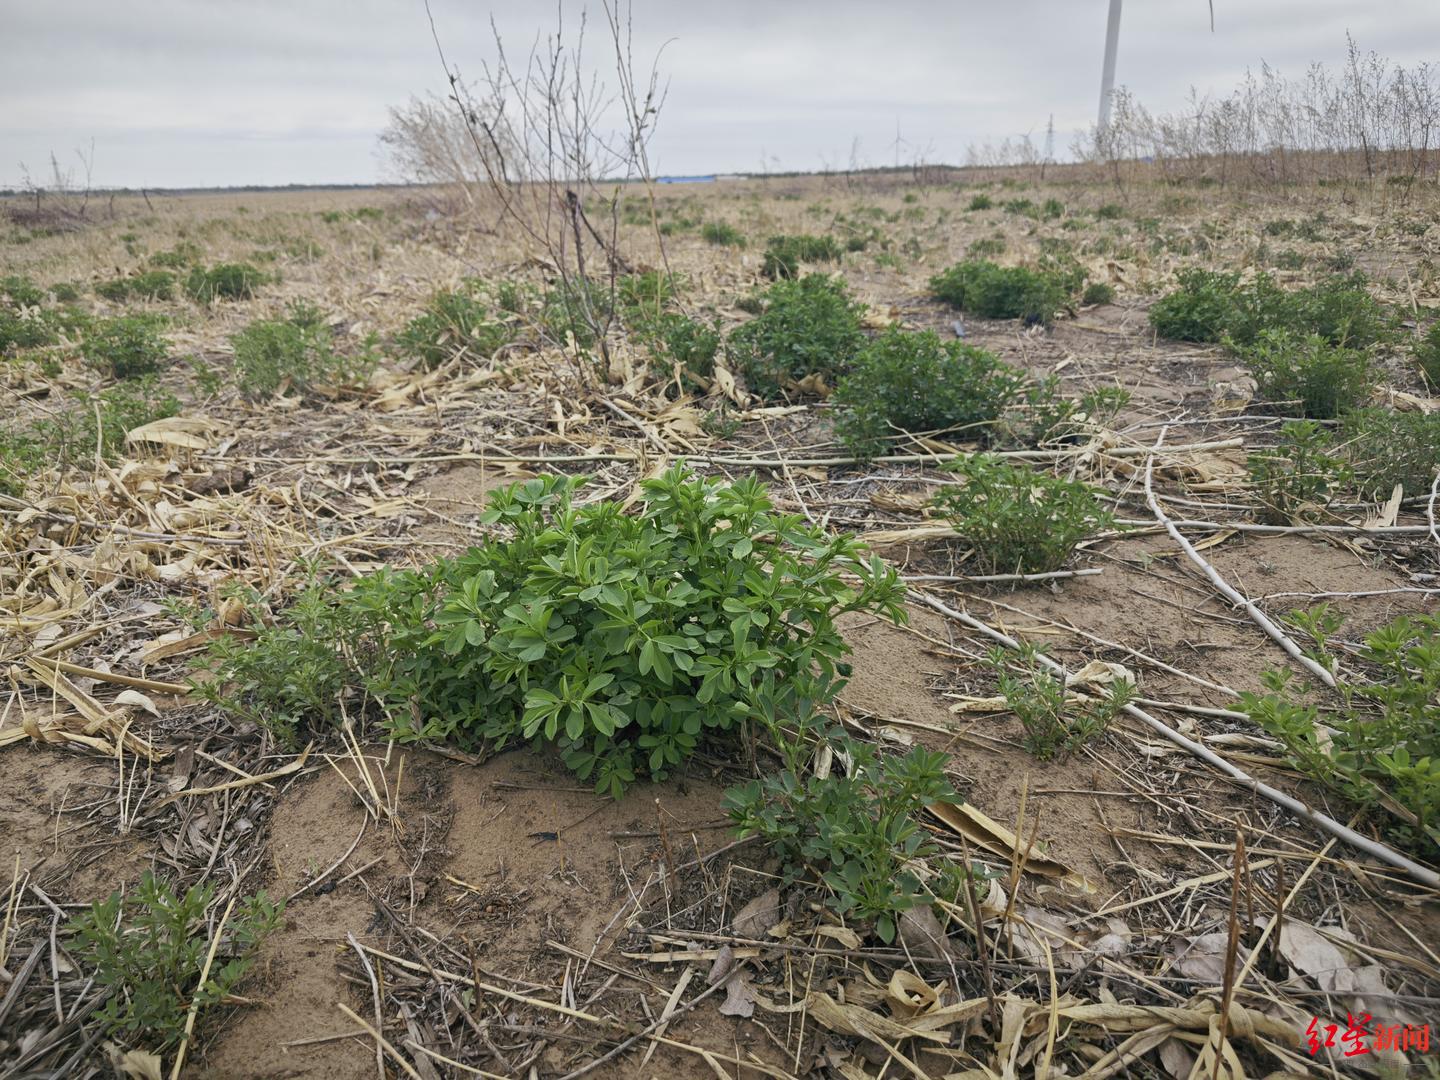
x=147, y=285
x=148, y=950
x=904, y=381
x=1055, y=720
x=1381, y=746
x=722, y=234
x=1308, y=376
x=805, y=330
x=295, y=352
x=454, y=323
x=227, y=281
x=859, y=829
x=1016, y=520
x=784, y=255
x=126, y=347
x=980, y=287
x=1216, y=306
x=1295, y=480
x=1385, y=448
x=1427, y=356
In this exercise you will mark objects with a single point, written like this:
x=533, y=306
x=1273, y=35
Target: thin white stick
x=1051, y=575
x=1430, y=510
x=1261, y=619
x=1422, y=874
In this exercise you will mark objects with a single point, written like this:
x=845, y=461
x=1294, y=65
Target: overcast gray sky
x=215, y=92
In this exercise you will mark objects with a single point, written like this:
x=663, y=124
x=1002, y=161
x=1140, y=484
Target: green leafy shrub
x=1055, y=721
x=1210, y=306
x=722, y=234
x=808, y=327
x=1199, y=309
x=690, y=344
x=1380, y=747
x=126, y=347
x=622, y=639
x=292, y=678
x=1098, y=292
x=986, y=246
x=1385, y=448
x=227, y=281
x=858, y=829
x=982, y=288
x=17, y=291
x=453, y=322
x=1017, y=520
x=1427, y=355
x=784, y=254
x=183, y=255
x=1052, y=208
x=915, y=382
x=1297, y=478
x=1023, y=207
x=980, y=202
x=149, y=285
x=296, y=351
x=1110, y=212
x=1048, y=416
x=20, y=330
x=1308, y=376
x=148, y=950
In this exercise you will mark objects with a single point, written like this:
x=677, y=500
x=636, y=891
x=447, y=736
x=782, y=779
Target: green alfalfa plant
x=907, y=381
x=621, y=639
x=808, y=329
x=1016, y=520
x=455, y=322
x=126, y=347
x=1295, y=480
x=148, y=950
x=1055, y=720
x=1380, y=745
x=1308, y=376
x=856, y=826
x=225, y=281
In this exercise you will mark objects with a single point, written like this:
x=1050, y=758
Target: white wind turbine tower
x=1107, y=76
x=1112, y=46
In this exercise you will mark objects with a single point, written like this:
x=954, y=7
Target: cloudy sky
x=188, y=93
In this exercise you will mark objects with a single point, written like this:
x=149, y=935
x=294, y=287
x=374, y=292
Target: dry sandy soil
x=512, y=923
